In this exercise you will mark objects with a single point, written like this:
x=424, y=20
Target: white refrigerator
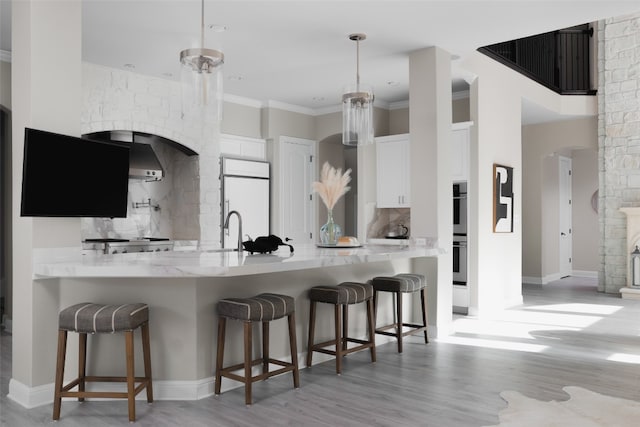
x=245, y=189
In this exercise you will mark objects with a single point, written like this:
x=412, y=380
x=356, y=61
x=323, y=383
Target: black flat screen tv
x=66, y=176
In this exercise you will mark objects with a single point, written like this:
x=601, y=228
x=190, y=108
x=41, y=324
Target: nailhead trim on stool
x=262, y=308
x=89, y=318
x=343, y=295
x=399, y=284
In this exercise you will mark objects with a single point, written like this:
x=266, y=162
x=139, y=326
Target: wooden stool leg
x=62, y=350
x=312, y=326
x=399, y=320
x=82, y=363
x=372, y=329
x=265, y=347
x=338, y=331
x=423, y=300
x=247, y=362
x=146, y=354
x=222, y=322
x=130, y=375
x=375, y=309
x=294, y=349
x=345, y=326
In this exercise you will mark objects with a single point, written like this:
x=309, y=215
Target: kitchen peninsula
x=183, y=287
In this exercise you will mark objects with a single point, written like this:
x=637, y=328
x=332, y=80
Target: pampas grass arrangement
x=332, y=184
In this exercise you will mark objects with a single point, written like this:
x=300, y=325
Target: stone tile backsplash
x=188, y=200
x=386, y=220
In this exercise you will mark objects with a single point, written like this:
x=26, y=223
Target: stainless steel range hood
x=143, y=162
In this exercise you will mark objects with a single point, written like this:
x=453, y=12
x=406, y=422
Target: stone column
x=618, y=142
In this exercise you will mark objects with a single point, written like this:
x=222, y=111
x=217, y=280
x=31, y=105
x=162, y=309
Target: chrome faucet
x=226, y=227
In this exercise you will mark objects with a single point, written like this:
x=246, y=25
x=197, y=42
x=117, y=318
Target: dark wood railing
x=559, y=60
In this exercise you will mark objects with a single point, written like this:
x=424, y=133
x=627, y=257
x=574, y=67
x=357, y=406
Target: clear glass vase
x=330, y=232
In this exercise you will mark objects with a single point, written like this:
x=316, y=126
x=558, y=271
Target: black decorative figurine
x=265, y=244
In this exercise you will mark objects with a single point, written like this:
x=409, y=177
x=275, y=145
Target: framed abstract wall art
x=502, y=199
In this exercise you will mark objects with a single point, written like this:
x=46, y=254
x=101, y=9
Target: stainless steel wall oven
x=460, y=209
x=460, y=260
x=459, y=250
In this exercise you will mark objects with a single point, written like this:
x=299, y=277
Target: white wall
x=460, y=110
x=46, y=48
x=496, y=98
x=5, y=192
x=399, y=121
x=243, y=120
x=5, y=84
x=495, y=268
x=574, y=137
x=585, y=218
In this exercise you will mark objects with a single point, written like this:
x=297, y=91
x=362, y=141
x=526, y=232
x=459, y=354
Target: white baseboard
x=551, y=278
x=556, y=276
x=514, y=302
x=32, y=397
x=585, y=273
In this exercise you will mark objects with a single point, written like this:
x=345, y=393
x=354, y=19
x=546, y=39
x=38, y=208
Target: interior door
x=297, y=166
x=565, y=223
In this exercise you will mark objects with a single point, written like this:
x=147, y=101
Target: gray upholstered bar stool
x=341, y=296
x=262, y=308
x=88, y=318
x=399, y=284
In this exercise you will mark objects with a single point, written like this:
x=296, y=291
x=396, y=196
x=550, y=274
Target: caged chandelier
x=357, y=106
x=201, y=75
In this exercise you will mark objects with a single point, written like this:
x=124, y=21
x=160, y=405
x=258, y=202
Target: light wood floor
x=565, y=334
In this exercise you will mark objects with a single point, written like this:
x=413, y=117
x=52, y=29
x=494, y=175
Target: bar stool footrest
x=415, y=329
x=228, y=371
x=320, y=346
x=143, y=383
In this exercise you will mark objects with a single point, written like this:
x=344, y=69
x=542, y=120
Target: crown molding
x=5, y=55
x=399, y=105
x=241, y=100
x=289, y=107
x=381, y=104
x=328, y=110
x=254, y=103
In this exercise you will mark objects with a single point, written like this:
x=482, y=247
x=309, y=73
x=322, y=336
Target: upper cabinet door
x=242, y=146
x=392, y=171
x=460, y=151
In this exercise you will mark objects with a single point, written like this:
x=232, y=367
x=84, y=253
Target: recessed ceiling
x=298, y=52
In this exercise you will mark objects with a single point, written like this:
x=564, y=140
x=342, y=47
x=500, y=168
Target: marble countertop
x=70, y=262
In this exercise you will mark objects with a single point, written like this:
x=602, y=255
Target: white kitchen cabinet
x=243, y=146
x=460, y=151
x=392, y=171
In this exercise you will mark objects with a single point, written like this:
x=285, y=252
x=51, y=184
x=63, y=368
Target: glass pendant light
x=357, y=106
x=201, y=75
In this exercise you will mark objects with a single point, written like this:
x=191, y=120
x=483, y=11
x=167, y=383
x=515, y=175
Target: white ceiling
x=297, y=52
